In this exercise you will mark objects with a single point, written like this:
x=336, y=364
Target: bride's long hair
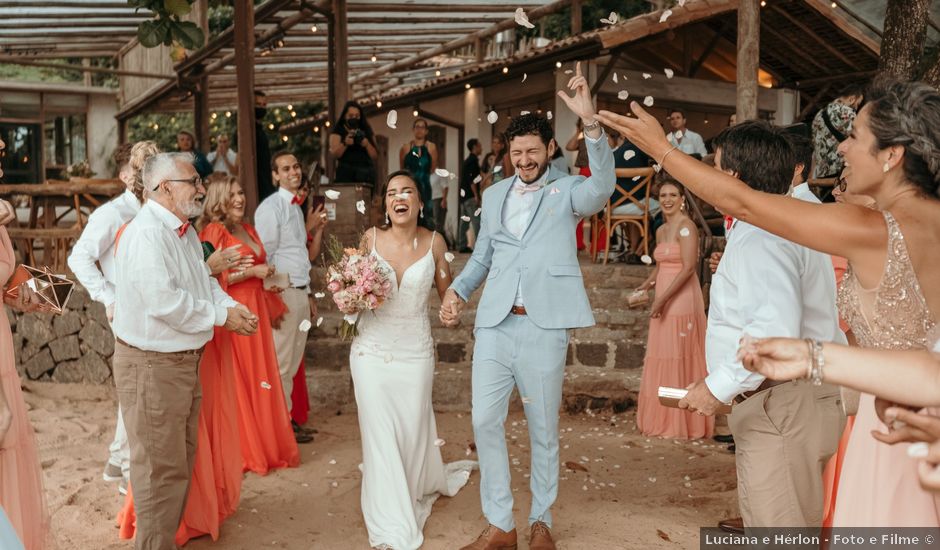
x=386, y=223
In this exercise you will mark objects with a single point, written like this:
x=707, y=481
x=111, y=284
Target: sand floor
x=636, y=492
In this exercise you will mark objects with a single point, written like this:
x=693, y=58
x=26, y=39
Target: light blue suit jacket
x=545, y=260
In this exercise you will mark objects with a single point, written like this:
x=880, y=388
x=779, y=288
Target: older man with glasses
x=166, y=308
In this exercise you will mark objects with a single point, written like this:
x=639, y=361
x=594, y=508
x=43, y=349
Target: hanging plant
x=167, y=26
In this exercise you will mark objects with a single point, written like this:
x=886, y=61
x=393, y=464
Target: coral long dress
x=267, y=439
x=215, y=487
x=21, y=492
x=675, y=354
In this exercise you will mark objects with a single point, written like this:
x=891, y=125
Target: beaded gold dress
x=879, y=486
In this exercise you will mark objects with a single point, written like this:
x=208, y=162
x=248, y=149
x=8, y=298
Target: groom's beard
x=541, y=172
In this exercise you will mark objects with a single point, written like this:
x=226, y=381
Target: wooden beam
x=575, y=17
x=244, y=38
x=748, y=59
x=424, y=8
x=17, y=60
x=201, y=113
x=712, y=44
x=461, y=42
x=813, y=102
x=810, y=33
x=795, y=48
x=605, y=72
x=811, y=82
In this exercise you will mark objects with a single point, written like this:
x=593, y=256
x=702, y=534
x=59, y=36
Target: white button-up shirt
x=691, y=143
x=166, y=299
x=765, y=286
x=517, y=210
x=280, y=224
x=96, y=244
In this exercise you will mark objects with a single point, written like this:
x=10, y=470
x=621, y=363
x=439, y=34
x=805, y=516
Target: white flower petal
x=492, y=117
x=305, y=325
x=319, y=321
x=623, y=95
x=391, y=120
x=669, y=73
x=265, y=385
x=684, y=232
x=525, y=76
x=637, y=178
x=647, y=76
x=679, y=134
x=463, y=193
x=476, y=213
x=569, y=71
x=629, y=154
x=319, y=295
x=441, y=172
x=615, y=78
x=648, y=101
x=549, y=115
x=361, y=206
x=449, y=257
x=439, y=442
x=646, y=259
x=331, y=194
x=522, y=19
x=664, y=16
x=477, y=179
x=465, y=218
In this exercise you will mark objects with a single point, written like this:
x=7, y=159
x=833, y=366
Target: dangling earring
x=387, y=221
x=885, y=167
x=422, y=214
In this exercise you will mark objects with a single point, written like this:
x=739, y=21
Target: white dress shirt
x=690, y=144
x=804, y=193
x=166, y=299
x=517, y=210
x=96, y=244
x=765, y=286
x=280, y=224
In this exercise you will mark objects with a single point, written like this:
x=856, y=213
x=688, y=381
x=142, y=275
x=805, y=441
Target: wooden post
x=338, y=77
x=201, y=114
x=478, y=50
x=748, y=60
x=245, y=70
x=575, y=17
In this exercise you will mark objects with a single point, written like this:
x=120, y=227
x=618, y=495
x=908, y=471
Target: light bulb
x=467, y=85
x=437, y=72
x=228, y=114
x=558, y=64
x=505, y=70
x=313, y=28
x=415, y=112
x=378, y=104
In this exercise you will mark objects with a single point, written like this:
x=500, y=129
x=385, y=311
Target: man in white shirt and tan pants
x=290, y=241
x=166, y=307
x=96, y=247
x=767, y=286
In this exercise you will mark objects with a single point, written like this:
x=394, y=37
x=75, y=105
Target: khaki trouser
x=159, y=395
x=784, y=436
x=289, y=340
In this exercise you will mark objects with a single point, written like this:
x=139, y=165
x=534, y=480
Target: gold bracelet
x=674, y=147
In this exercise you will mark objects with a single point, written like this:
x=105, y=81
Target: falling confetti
x=623, y=94
x=465, y=218
x=477, y=179
x=663, y=17
x=684, y=232
x=476, y=213
x=648, y=101
x=331, y=194
x=523, y=113
x=611, y=19
x=319, y=321
x=441, y=172
x=525, y=76
x=305, y=325
x=669, y=73
x=319, y=295
x=629, y=154
x=679, y=134
x=646, y=259
x=464, y=193
x=657, y=168
x=391, y=120
x=523, y=19
x=265, y=385
x=361, y=206
x=549, y=115
x=443, y=274
x=439, y=442
x=569, y=71
x=615, y=78
x=449, y=256
x=334, y=484
x=492, y=117
x=647, y=76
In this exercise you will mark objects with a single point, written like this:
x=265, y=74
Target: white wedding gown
x=392, y=363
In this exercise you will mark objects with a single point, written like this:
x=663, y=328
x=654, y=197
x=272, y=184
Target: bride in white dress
x=392, y=362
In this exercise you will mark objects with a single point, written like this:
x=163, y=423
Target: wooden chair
x=608, y=221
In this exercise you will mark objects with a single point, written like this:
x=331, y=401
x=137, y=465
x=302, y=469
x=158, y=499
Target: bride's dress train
x=392, y=363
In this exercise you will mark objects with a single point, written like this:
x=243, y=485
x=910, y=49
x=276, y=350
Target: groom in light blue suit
x=534, y=293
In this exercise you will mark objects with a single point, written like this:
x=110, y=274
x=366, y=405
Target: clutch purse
x=639, y=298
x=669, y=397
x=53, y=290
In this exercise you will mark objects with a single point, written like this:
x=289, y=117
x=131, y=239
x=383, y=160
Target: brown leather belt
x=765, y=385
x=184, y=352
x=517, y=310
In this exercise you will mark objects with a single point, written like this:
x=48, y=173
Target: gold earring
x=885, y=167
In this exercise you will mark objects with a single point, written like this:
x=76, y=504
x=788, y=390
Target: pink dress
x=675, y=354
x=879, y=485
x=21, y=493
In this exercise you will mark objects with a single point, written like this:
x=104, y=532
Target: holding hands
x=228, y=258
x=241, y=320
x=451, y=307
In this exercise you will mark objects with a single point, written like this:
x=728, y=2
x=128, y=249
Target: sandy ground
x=636, y=493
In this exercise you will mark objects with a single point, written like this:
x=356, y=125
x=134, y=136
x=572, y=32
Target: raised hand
x=316, y=219
x=581, y=103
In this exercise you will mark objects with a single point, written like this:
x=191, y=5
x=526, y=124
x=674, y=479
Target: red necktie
x=182, y=229
x=296, y=200
x=729, y=221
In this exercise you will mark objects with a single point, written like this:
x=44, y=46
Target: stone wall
x=73, y=347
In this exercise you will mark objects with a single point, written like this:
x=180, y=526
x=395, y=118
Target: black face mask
x=352, y=123
x=260, y=112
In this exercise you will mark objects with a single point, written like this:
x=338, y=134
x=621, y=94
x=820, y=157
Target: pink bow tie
x=523, y=188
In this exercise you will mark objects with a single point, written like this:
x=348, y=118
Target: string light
x=316, y=129
x=505, y=70
x=378, y=104
x=284, y=139
x=228, y=114
x=290, y=107
x=467, y=85
x=437, y=72
x=327, y=123
x=313, y=28
x=415, y=112
x=374, y=58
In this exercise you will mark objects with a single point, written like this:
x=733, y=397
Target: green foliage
x=167, y=26
x=558, y=26
x=22, y=73
x=220, y=18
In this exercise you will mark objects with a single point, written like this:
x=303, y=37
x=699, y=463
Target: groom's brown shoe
x=540, y=538
x=494, y=538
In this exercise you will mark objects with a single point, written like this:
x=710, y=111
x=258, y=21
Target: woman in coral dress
x=21, y=492
x=267, y=439
x=675, y=348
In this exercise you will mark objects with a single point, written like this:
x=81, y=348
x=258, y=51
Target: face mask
x=260, y=112
x=353, y=123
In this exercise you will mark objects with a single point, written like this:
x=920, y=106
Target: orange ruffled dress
x=675, y=354
x=267, y=439
x=21, y=492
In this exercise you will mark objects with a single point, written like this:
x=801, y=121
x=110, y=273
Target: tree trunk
x=905, y=33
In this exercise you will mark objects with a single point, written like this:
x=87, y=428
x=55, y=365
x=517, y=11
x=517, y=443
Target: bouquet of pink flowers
x=358, y=283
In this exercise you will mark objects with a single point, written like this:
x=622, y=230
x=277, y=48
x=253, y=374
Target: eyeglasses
x=195, y=181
